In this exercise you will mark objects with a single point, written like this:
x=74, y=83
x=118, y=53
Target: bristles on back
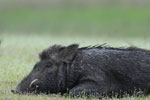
x=54, y=50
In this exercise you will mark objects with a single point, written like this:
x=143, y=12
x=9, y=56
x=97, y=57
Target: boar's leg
x=87, y=90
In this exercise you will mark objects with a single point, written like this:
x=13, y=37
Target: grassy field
x=26, y=31
x=19, y=53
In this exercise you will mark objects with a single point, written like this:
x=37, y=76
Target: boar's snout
x=30, y=88
x=17, y=90
x=14, y=91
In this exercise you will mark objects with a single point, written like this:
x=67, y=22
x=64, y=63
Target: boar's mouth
x=30, y=85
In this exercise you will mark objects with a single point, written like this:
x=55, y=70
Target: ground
x=19, y=53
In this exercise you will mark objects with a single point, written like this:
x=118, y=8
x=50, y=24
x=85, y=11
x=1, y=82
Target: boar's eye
x=49, y=64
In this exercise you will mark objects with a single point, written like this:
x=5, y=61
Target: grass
x=19, y=53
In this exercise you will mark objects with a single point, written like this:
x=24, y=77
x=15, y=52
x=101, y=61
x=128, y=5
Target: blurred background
x=81, y=18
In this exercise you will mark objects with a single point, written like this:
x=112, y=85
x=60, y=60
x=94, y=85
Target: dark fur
x=93, y=70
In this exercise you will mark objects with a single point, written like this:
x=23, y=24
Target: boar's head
x=49, y=74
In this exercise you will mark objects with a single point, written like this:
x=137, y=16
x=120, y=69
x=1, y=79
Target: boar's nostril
x=14, y=91
x=32, y=82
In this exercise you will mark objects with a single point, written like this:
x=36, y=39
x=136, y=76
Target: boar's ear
x=68, y=53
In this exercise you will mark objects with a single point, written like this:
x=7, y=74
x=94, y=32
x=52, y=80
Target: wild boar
x=92, y=71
